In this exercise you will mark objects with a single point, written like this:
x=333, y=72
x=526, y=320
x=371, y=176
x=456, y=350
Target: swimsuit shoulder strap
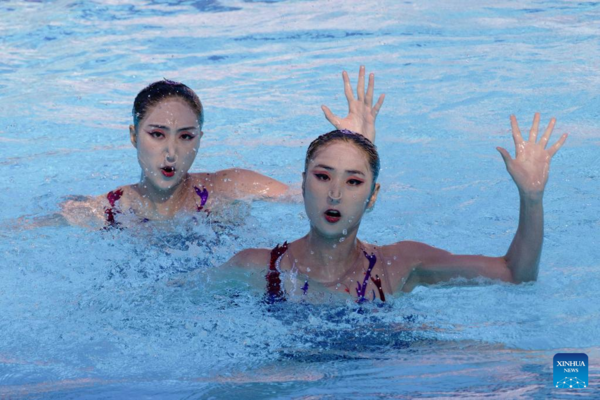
x=203, y=194
x=377, y=279
x=113, y=196
x=274, y=289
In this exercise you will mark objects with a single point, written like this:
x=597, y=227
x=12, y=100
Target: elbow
x=524, y=279
x=521, y=274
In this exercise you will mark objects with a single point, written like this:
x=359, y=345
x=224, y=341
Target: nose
x=170, y=151
x=335, y=194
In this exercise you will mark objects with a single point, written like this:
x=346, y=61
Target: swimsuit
x=114, y=196
x=276, y=293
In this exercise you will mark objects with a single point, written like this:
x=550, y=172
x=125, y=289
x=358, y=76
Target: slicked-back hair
x=346, y=136
x=161, y=90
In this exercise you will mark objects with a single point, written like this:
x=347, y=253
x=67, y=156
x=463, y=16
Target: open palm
x=529, y=169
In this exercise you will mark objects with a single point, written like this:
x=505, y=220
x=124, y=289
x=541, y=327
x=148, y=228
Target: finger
x=516, y=133
x=360, y=88
x=370, y=88
x=378, y=105
x=330, y=116
x=347, y=87
x=505, y=155
x=548, y=133
x=534, y=128
x=552, y=150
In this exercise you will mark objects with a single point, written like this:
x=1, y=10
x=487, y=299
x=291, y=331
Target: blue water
x=87, y=314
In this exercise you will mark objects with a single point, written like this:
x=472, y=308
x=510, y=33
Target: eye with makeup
x=156, y=134
x=321, y=176
x=354, y=182
x=187, y=136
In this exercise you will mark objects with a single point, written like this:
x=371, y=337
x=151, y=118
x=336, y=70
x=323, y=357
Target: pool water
x=117, y=314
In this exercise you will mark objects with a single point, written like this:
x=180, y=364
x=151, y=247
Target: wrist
x=531, y=197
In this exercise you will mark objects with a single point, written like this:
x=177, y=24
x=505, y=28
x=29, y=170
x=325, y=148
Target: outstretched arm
x=238, y=183
x=361, y=112
x=529, y=170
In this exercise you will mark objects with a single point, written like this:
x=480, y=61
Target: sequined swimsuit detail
x=115, y=195
x=275, y=291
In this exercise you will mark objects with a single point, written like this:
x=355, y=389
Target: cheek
x=146, y=148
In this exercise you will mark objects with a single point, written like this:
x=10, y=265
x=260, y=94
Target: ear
x=373, y=197
x=303, y=183
x=133, y=136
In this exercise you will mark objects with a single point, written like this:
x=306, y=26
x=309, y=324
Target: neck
x=164, y=202
x=329, y=257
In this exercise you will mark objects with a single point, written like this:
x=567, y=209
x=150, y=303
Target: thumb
x=329, y=115
x=505, y=155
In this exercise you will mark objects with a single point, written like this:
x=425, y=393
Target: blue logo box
x=570, y=370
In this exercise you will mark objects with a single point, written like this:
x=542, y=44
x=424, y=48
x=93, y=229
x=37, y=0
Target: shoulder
x=202, y=178
x=407, y=251
x=403, y=260
x=250, y=258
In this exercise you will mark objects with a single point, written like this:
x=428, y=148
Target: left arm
x=529, y=170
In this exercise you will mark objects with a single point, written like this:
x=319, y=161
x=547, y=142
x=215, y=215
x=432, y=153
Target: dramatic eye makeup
x=187, y=136
x=156, y=134
x=355, y=182
x=322, y=176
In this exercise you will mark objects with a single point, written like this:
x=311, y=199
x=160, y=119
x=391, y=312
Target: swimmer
x=339, y=184
x=166, y=132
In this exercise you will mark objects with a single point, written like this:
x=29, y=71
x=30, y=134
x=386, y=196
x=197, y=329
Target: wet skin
x=337, y=188
x=167, y=141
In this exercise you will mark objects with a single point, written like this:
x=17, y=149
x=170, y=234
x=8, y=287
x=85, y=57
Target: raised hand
x=361, y=112
x=529, y=169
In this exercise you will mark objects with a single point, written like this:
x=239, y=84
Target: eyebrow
x=348, y=171
x=166, y=128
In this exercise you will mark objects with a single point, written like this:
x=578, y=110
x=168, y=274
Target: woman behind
x=166, y=132
x=339, y=186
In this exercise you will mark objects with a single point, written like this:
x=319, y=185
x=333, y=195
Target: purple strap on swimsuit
x=360, y=289
x=203, y=194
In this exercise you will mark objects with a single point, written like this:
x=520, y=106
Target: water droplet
x=334, y=246
x=345, y=232
x=307, y=269
x=342, y=239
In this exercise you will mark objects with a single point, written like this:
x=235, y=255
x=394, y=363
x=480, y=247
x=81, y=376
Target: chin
x=165, y=186
x=331, y=232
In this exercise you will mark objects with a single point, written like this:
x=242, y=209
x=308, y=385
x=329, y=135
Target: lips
x=332, y=216
x=168, y=171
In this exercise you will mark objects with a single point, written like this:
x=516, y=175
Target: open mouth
x=333, y=216
x=168, y=171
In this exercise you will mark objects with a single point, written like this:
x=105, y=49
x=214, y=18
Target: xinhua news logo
x=570, y=371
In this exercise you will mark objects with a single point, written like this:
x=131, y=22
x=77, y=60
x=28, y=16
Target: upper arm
x=238, y=183
x=430, y=265
x=83, y=211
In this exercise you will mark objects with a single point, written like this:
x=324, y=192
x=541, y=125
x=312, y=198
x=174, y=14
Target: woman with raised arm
x=339, y=186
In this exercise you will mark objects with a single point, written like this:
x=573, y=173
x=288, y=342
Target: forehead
x=171, y=111
x=341, y=155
